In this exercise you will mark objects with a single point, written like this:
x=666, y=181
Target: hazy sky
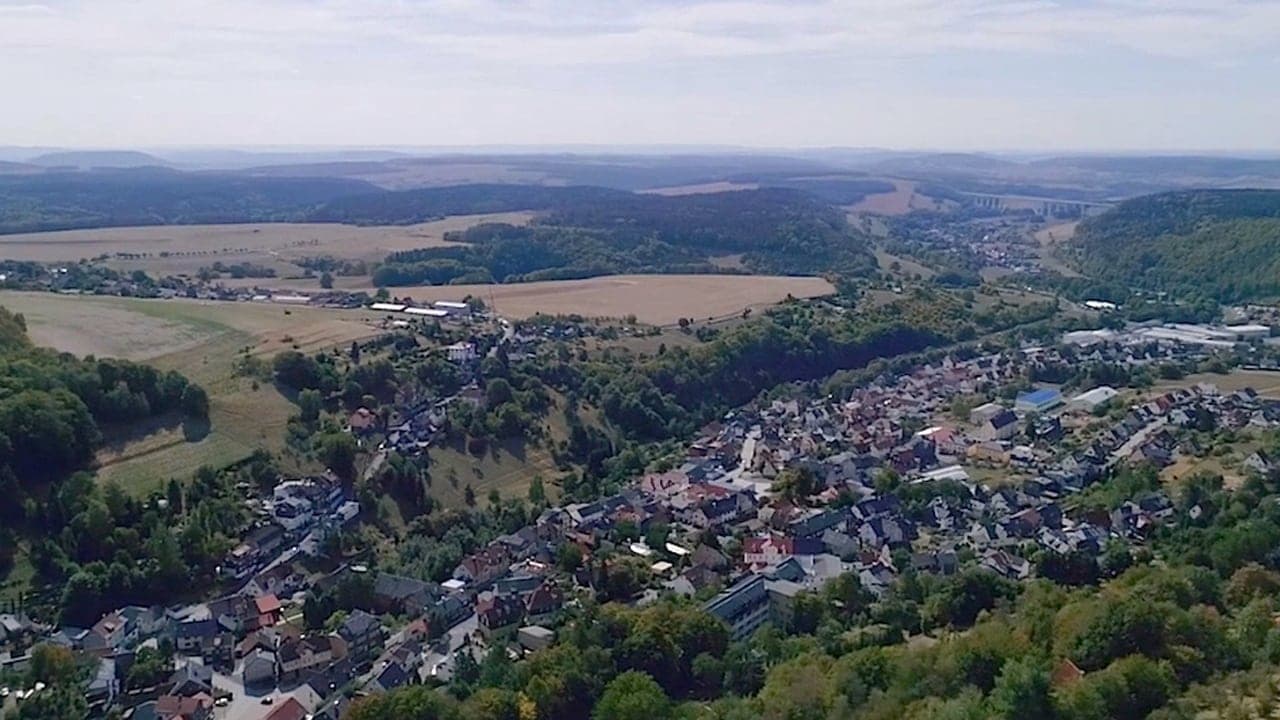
x=962, y=74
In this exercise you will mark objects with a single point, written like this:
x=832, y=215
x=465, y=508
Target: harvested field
x=701, y=188
x=172, y=249
x=653, y=299
x=899, y=202
x=1058, y=233
x=1265, y=382
x=202, y=340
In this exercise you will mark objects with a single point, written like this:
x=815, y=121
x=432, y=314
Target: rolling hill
x=1216, y=244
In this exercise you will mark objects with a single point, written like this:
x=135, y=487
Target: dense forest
x=1221, y=245
x=157, y=196
x=590, y=231
x=506, y=253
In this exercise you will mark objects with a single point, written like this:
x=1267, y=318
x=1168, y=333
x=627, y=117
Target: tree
x=1022, y=691
x=537, y=493
x=569, y=557
x=59, y=702
x=338, y=453
x=326, y=280
x=492, y=704
x=469, y=496
x=309, y=405
x=796, y=484
x=415, y=702
x=633, y=696
x=52, y=665
x=195, y=401
x=150, y=668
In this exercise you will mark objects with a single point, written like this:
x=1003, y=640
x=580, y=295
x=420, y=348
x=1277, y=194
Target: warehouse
x=1094, y=398
x=387, y=307
x=1038, y=401
x=451, y=307
x=426, y=312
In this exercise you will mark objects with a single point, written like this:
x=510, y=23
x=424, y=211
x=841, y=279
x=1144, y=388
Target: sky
x=905, y=74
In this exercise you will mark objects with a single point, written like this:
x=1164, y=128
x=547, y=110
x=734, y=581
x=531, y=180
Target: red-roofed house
x=290, y=709
x=173, y=707
x=269, y=610
x=767, y=550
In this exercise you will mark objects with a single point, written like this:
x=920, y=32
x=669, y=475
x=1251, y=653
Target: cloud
x=561, y=32
x=769, y=71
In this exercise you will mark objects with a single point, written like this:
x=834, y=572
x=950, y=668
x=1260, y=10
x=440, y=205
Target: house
x=482, y=568
x=172, y=707
x=535, y=637
x=461, y=352
x=308, y=653
x=363, y=634
x=362, y=422
x=289, y=709
x=770, y=549
x=496, y=612
x=107, y=635
x=259, y=668
x=191, y=679
x=981, y=414
x=705, y=556
x=13, y=627
x=1261, y=463
x=391, y=676
x=543, y=603
x=269, y=610
x=1001, y=426
x=194, y=636
x=1065, y=673
x=744, y=606
x=401, y=595
x=1006, y=565
x=711, y=512
x=692, y=581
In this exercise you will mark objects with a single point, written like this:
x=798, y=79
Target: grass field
x=201, y=340
x=174, y=249
x=653, y=299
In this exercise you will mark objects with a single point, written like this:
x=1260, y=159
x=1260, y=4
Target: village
x=775, y=500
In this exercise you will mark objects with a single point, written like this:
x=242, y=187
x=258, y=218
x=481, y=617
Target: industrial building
x=1038, y=401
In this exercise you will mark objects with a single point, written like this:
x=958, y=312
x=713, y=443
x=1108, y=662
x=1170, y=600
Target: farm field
x=201, y=340
x=175, y=249
x=899, y=202
x=701, y=188
x=1266, y=383
x=653, y=299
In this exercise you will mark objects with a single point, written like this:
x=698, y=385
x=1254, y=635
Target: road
x=508, y=332
x=1139, y=438
x=440, y=664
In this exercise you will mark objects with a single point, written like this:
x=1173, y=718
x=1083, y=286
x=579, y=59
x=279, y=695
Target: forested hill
x=1218, y=244
x=593, y=231
x=159, y=196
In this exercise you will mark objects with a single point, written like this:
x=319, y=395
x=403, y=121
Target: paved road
x=440, y=664
x=1137, y=440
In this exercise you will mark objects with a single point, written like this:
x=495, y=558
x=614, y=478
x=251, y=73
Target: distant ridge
x=86, y=159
